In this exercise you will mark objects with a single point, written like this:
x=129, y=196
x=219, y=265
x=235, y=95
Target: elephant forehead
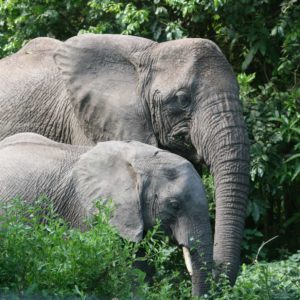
x=181, y=174
x=162, y=162
x=183, y=185
x=183, y=62
x=181, y=51
x=176, y=75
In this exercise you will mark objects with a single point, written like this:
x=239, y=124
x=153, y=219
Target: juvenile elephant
x=179, y=95
x=144, y=183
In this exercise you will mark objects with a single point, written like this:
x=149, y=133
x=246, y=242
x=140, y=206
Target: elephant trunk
x=201, y=262
x=231, y=182
x=201, y=270
x=223, y=145
x=197, y=251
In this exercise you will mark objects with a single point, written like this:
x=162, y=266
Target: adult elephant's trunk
x=220, y=136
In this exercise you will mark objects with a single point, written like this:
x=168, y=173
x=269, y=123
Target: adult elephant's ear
x=100, y=72
x=105, y=173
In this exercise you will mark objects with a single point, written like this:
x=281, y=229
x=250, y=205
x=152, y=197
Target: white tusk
x=187, y=260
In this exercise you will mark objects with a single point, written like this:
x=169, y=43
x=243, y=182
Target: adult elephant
x=144, y=183
x=180, y=95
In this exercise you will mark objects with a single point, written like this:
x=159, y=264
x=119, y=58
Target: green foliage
x=208, y=182
x=22, y=20
x=170, y=280
x=266, y=281
x=40, y=256
x=273, y=119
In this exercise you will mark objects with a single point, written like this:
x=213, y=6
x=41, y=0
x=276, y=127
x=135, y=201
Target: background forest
x=261, y=40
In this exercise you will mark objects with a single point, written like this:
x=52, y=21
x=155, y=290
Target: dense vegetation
x=261, y=39
x=40, y=256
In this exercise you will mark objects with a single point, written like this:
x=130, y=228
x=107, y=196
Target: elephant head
x=146, y=184
x=179, y=95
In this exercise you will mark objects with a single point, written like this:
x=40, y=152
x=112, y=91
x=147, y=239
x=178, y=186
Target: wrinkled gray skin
x=145, y=184
x=179, y=95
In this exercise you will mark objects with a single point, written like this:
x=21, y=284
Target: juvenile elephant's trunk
x=201, y=262
x=200, y=285
x=222, y=142
x=196, y=238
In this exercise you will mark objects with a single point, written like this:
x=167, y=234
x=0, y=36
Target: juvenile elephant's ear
x=100, y=72
x=105, y=173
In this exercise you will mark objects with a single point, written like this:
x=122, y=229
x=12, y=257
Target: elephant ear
x=104, y=173
x=100, y=72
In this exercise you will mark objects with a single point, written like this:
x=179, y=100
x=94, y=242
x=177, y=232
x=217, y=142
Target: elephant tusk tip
x=187, y=260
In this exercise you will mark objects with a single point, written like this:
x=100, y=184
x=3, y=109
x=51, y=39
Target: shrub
x=39, y=253
x=266, y=281
x=273, y=121
x=40, y=256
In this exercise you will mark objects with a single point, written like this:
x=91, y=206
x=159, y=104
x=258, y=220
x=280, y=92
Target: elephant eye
x=183, y=100
x=174, y=204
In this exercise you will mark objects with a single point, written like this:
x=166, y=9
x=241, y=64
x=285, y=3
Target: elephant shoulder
x=27, y=137
x=36, y=141
x=34, y=60
x=40, y=45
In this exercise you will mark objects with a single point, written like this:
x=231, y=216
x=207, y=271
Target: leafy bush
x=273, y=119
x=40, y=256
x=266, y=281
x=22, y=20
x=49, y=258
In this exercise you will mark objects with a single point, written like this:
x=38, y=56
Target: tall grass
x=42, y=257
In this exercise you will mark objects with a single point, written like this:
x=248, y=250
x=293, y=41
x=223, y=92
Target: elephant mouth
x=179, y=141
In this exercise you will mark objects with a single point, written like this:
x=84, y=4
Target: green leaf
x=249, y=57
x=296, y=173
x=292, y=157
